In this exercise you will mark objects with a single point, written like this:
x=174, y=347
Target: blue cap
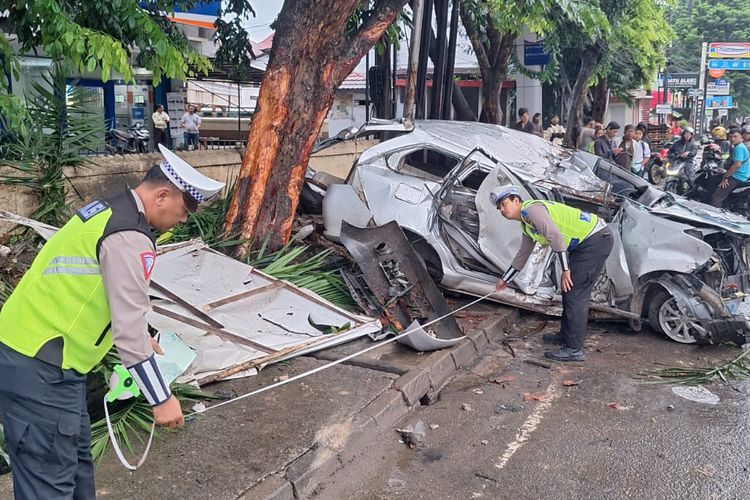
x=499, y=193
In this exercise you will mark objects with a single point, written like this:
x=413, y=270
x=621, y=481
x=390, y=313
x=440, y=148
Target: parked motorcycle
x=706, y=181
x=133, y=140
x=657, y=164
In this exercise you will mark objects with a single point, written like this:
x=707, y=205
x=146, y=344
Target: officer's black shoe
x=566, y=354
x=554, y=338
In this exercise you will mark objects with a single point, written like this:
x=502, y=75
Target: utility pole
x=438, y=73
x=424, y=55
x=704, y=87
x=411, y=75
x=452, y=39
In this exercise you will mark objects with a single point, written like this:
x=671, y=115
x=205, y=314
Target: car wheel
x=664, y=316
x=655, y=173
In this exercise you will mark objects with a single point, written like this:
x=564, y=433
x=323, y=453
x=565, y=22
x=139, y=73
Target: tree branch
x=476, y=42
x=383, y=14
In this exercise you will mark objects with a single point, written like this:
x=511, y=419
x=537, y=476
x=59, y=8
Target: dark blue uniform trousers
x=47, y=428
x=586, y=262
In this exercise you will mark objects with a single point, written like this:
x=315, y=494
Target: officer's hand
x=156, y=347
x=500, y=285
x=567, y=282
x=169, y=413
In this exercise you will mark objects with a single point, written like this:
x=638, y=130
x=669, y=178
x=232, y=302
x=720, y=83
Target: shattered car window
x=428, y=163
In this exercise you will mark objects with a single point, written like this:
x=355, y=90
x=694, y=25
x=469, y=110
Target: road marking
x=530, y=425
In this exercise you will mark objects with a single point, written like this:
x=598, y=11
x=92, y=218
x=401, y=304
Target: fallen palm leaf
x=737, y=369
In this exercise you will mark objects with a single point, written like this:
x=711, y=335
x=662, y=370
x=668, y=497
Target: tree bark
x=599, y=100
x=311, y=55
x=493, y=55
x=590, y=59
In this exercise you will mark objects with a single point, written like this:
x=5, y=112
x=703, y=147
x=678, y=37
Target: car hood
x=701, y=214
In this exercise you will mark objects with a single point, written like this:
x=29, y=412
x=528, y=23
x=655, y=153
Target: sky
x=266, y=11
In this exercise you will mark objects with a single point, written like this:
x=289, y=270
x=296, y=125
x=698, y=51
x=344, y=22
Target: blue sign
x=138, y=113
x=735, y=64
x=534, y=54
x=719, y=102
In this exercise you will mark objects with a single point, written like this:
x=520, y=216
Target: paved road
x=485, y=441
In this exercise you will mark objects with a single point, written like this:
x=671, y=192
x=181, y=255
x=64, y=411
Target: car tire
x=659, y=310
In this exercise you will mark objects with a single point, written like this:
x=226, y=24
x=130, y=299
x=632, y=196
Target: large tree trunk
x=491, y=112
x=589, y=61
x=600, y=93
x=310, y=57
x=493, y=50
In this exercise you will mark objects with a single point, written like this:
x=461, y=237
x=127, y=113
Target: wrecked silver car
x=679, y=265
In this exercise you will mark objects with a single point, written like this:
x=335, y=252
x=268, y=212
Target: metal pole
x=239, y=111
x=666, y=90
x=424, y=53
x=411, y=75
x=704, y=87
x=394, y=90
x=450, y=67
x=367, y=87
x=438, y=71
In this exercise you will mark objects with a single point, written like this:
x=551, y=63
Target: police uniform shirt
x=126, y=260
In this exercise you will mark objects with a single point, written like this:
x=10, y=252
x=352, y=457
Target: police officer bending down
x=582, y=243
x=87, y=289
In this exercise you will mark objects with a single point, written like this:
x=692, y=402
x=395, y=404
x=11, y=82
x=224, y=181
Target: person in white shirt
x=555, y=132
x=161, y=126
x=191, y=122
x=641, y=152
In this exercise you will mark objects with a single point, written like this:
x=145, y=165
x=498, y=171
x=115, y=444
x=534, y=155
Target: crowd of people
x=554, y=132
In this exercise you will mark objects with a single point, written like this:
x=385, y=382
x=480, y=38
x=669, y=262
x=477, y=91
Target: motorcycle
x=707, y=179
x=675, y=175
x=657, y=164
x=133, y=140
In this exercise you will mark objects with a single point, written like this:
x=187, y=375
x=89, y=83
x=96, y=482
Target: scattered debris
x=280, y=378
x=434, y=426
x=199, y=407
x=537, y=362
x=570, y=383
x=477, y=391
x=697, y=393
x=484, y=442
x=503, y=380
x=529, y=396
x=395, y=286
x=670, y=407
x=510, y=408
x=467, y=407
x=485, y=476
x=737, y=369
x=618, y=406
x=212, y=301
x=414, y=435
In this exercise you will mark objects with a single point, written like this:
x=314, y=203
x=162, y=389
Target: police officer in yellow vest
x=87, y=289
x=582, y=243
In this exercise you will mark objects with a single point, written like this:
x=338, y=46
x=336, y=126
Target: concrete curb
x=421, y=384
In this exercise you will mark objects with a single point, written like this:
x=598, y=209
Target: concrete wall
x=110, y=174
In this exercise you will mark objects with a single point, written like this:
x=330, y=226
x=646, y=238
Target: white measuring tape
x=338, y=361
x=123, y=387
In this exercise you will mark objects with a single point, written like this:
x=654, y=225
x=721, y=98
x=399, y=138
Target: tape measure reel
x=123, y=387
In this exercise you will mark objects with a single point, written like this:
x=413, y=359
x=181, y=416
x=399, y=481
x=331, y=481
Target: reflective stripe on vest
x=574, y=224
x=62, y=294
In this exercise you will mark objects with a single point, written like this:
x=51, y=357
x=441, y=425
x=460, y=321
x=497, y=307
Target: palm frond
x=736, y=369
